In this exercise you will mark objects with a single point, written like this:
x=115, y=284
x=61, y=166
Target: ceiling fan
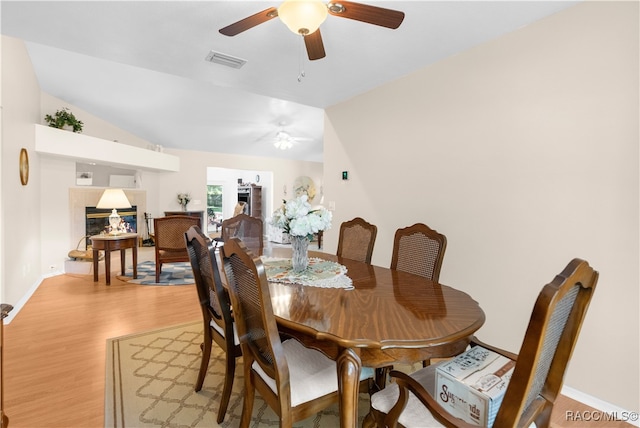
x=283, y=140
x=305, y=16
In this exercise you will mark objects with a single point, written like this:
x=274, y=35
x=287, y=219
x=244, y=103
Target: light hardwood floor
x=54, y=349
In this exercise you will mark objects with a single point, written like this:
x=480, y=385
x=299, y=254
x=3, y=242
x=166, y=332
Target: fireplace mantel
x=80, y=198
x=87, y=149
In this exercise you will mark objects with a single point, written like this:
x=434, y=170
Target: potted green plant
x=62, y=118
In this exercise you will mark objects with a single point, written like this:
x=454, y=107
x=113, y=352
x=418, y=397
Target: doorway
x=227, y=181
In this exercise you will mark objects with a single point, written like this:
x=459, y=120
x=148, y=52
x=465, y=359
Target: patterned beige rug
x=150, y=379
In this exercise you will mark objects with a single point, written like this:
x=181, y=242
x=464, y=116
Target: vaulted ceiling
x=142, y=65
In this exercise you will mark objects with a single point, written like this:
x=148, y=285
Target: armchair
x=169, y=239
x=548, y=343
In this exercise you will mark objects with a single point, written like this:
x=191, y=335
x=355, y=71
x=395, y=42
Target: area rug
x=150, y=378
x=172, y=274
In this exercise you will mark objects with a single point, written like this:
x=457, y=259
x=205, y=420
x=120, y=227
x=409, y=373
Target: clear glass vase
x=300, y=255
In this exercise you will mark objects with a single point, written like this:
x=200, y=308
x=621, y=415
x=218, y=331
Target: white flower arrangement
x=184, y=199
x=297, y=218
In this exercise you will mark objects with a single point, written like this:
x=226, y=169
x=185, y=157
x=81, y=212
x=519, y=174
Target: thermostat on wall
x=345, y=175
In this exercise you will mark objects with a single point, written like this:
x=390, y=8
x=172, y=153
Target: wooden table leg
x=349, y=368
x=96, y=254
x=107, y=264
x=123, y=255
x=135, y=260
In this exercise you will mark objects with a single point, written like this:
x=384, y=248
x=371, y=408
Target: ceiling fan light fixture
x=303, y=16
x=283, y=141
x=283, y=144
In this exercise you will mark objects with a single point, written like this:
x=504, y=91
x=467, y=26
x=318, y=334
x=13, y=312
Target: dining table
x=373, y=317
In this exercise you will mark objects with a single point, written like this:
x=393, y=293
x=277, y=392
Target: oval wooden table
x=389, y=317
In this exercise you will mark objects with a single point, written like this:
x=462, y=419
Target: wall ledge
x=86, y=149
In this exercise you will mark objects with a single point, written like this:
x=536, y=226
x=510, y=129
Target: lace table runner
x=320, y=273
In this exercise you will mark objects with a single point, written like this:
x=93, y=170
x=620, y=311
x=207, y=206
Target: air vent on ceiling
x=224, y=59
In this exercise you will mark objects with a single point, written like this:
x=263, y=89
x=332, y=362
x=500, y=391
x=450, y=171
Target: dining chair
x=248, y=229
x=295, y=381
x=419, y=250
x=545, y=353
x=216, y=312
x=169, y=239
x=356, y=240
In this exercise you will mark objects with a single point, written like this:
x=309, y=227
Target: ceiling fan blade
x=249, y=22
x=365, y=13
x=315, y=47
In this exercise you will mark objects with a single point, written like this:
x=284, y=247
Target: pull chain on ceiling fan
x=304, y=17
x=301, y=73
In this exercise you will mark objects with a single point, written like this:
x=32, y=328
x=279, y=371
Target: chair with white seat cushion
x=297, y=382
x=549, y=341
x=216, y=312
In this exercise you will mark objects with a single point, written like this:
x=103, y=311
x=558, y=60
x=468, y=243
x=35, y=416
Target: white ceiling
x=141, y=65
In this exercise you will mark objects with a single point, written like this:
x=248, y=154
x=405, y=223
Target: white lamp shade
x=303, y=16
x=113, y=198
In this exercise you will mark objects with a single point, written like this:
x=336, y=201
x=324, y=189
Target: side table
x=110, y=243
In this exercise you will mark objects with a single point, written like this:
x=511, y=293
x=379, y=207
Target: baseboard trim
x=25, y=298
x=598, y=404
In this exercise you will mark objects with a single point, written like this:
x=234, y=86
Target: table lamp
x=112, y=199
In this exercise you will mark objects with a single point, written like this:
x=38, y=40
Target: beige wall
x=524, y=153
x=59, y=222
x=92, y=125
x=193, y=173
x=20, y=221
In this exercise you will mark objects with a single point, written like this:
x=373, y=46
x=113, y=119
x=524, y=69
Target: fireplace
x=97, y=220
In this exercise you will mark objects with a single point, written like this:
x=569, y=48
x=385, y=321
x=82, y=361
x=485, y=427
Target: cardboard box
x=471, y=386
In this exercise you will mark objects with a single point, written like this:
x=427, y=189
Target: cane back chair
x=356, y=240
x=169, y=239
x=295, y=381
x=548, y=343
x=419, y=250
x=216, y=312
x=248, y=229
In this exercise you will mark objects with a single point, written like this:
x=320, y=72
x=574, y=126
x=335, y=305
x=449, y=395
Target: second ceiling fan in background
x=305, y=16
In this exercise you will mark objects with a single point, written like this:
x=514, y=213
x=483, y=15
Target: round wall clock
x=24, y=167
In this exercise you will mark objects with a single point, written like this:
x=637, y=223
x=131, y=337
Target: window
x=214, y=207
